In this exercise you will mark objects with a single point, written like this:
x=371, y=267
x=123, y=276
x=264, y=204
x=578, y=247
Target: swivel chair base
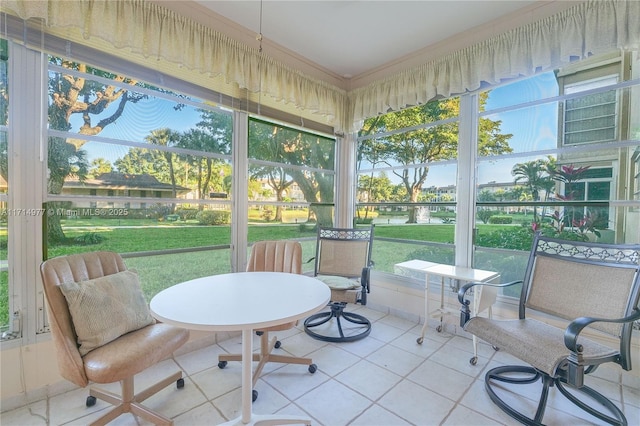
x=520, y=374
x=130, y=403
x=362, y=329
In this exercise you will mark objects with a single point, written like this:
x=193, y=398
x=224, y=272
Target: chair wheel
x=439, y=328
x=313, y=368
x=419, y=340
x=91, y=401
x=254, y=395
x=222, y=364
x=495, y=348
x=278, y=344
x=473, y=360
x=180, y=383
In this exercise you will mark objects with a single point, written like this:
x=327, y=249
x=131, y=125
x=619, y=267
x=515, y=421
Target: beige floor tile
x=385, y=379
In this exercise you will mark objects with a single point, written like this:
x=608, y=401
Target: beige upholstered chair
x=582, y=290
x=272, y=256
x=343, y=262
x=124, y=356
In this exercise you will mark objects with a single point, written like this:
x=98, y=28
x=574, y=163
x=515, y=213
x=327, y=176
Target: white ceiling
x=351, y=37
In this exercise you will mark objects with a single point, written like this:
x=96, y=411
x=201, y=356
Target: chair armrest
x=576, y=326
x=465, y=313
x=575, y=366
x=365, y=278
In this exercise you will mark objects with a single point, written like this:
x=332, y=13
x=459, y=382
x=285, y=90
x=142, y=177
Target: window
x=636, y=174
x=410, y=163
x=7, y=328
x=407, y=183
x=593, y=117
x=113, y=141
x=570, y=192
x=291, y=183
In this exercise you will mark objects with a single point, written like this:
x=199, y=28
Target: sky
x=533, y=128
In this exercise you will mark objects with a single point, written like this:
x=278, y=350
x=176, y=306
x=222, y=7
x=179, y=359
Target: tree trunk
x=278, y=217
x=55, y=234
x=413, y=217
x=413, y=210
x=324, y=215
x=172, y=176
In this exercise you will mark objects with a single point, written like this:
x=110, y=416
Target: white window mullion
x=467, y=177
x=27, y=157
x=240, y=191
x=345, y=181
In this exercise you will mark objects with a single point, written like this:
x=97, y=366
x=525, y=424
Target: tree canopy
x=419, y=136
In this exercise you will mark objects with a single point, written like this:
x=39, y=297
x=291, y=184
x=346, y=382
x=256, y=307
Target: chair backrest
x=276, y=256
x=64, y=269
x=343, y=251
x=571, y=279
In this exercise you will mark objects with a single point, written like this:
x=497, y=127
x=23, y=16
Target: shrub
x=363, y=221
x=267, y=215
x=485, y=215
x=213, y=217
x=517, y=238
x=502, y=220
x=307, y=227
x=89, y=238
x=433, y=254
x=187, y=214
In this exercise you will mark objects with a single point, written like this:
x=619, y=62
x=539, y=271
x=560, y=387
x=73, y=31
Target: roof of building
x=115, y=180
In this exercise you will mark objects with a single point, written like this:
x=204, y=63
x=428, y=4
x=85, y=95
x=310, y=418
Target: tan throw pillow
x=336, y=282
x=105, y=308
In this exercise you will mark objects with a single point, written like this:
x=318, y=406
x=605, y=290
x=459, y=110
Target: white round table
x=242, y=301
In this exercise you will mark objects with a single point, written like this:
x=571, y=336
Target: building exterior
x=114, y=184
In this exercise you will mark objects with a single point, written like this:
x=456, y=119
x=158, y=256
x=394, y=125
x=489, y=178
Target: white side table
x=483, y=298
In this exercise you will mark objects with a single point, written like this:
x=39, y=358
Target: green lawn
x=160, y=271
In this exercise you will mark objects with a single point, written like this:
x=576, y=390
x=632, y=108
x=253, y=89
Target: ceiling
x=350, y=38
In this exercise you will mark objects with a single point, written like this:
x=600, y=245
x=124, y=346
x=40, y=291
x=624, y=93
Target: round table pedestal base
x=266, y=420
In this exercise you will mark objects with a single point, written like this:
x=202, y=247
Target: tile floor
x=385, y=379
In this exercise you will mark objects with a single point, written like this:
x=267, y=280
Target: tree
x=535, y=177
x=140, y=161
x=100, y=166
x=167, y=138
x=266, y=142
x=422, y=145
x=73, y=95
x=64, y=160
x=530, y=174
x=309, y=154
x=373, y=189
x=213, y=135
x=203, y=167
x=317, y=186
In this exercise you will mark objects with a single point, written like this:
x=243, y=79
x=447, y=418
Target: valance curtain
x=580, y=31
x=150, y=30
x=154, y=32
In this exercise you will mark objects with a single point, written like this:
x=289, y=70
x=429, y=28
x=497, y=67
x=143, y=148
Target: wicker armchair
x=584, y=291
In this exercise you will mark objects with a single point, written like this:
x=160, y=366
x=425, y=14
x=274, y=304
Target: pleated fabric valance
x=155, y=32
x=576, y=33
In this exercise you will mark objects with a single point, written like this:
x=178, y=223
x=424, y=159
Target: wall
x=30, y=372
